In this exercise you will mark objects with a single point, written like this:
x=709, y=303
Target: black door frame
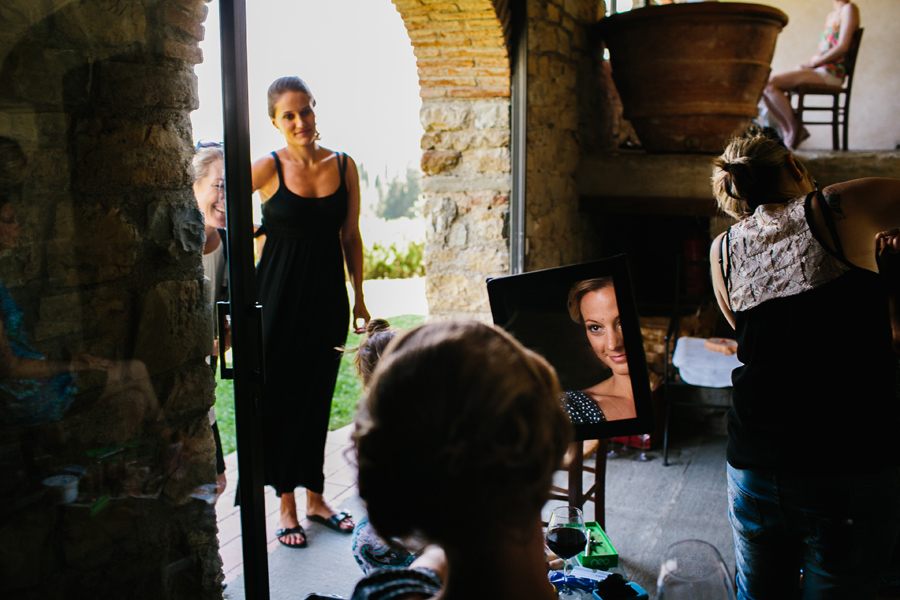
x=246, y=314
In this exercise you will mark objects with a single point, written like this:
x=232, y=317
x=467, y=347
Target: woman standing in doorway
x=825, y=67
x=310, y=197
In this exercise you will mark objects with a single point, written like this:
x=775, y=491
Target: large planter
x=690, y=75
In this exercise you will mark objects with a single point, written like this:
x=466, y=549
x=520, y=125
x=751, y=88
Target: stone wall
x=564, y=116
x=98, y=95
x=876, y=87
x=462, y=55
x=462, y=50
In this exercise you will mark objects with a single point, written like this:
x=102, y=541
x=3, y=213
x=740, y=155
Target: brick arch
x=463, y=59
x=461, y=47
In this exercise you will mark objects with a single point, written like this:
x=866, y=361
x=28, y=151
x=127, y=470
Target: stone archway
x=462, y=54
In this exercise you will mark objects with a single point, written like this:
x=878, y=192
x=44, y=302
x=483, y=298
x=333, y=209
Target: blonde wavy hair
x=458, y=411
x=748, y=174
x=204, y=158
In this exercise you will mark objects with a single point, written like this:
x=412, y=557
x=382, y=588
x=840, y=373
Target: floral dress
x=829, y=40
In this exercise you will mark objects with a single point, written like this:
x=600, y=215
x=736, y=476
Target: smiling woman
x=592, y=303
x=209, y=190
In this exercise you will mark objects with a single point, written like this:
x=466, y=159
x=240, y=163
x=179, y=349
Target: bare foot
x=292, y=534
x=317, y=507
x=796, y=136
x=221, y=484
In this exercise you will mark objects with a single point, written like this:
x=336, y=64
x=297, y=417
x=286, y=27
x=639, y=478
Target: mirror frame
x=508, y=294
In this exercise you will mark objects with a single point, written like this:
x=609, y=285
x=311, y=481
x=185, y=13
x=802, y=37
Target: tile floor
x=340, y=484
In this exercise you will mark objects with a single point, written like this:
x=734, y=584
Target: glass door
x=107, y=475
x=246, y=314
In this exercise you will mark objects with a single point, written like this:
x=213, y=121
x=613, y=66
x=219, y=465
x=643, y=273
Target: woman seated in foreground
x=370, y=551
x=457, y=441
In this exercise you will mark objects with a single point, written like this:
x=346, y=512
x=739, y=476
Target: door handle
x=261, y=372
x=223, y=310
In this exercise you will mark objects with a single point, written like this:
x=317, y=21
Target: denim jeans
x=839, y=529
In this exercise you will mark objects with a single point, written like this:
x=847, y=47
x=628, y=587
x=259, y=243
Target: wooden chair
x=575, y=495
x=840, y=111
x=702, y=316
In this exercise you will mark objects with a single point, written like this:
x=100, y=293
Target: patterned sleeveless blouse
x=773, y=254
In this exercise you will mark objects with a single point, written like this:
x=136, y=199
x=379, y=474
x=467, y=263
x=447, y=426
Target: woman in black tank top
x=796, y=277
x=310, y=201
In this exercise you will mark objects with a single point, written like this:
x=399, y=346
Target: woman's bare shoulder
x=328, y=153
x=850, y=8
x=266, y=162
x=865, y=190
x=865, y=183
x=263, y=171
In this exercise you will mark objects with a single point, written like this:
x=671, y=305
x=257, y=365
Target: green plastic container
x=600, y=553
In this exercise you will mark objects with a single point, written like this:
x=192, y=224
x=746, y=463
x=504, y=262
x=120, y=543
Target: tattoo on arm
x=833, y=200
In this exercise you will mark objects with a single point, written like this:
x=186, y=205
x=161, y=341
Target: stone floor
x=648, y=507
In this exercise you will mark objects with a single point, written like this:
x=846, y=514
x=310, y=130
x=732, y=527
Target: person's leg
x=316, y=431
x=779, y=105
x=288, y=520
x=317, y=507
x=221, y=481
x=853, y=523
x=372, y=552
x=767, y=558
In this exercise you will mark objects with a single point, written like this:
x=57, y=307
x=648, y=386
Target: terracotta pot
x=691, y=75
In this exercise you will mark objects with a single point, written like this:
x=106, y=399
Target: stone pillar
x=462, y=55
x=98, y=95
x=559, y=123
x=465, y=159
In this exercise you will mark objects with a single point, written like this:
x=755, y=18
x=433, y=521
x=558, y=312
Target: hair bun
x=376, y=325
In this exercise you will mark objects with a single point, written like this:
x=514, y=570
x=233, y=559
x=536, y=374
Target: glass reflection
x=106, y=452
x=85, y=434
x=592, y=303
x=33, y=390
x=118, y=441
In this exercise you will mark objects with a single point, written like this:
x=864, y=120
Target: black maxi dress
x=306, y=312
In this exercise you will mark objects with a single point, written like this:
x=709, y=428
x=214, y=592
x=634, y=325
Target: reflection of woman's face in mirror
x=9, y=227
x=600, y=314
x=592, y=303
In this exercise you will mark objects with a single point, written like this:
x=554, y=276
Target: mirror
x=583, y=320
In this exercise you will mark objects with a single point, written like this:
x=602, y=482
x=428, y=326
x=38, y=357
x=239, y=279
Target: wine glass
x=566, y=536
x=693, y=570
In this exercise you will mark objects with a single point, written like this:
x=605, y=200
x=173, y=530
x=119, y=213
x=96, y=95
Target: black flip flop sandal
x=283, y=532
x=332, y=522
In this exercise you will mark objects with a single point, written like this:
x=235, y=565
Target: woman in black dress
x=310, y=211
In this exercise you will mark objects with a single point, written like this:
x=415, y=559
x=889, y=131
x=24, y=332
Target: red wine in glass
x=566, y=537
x=566, y=542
